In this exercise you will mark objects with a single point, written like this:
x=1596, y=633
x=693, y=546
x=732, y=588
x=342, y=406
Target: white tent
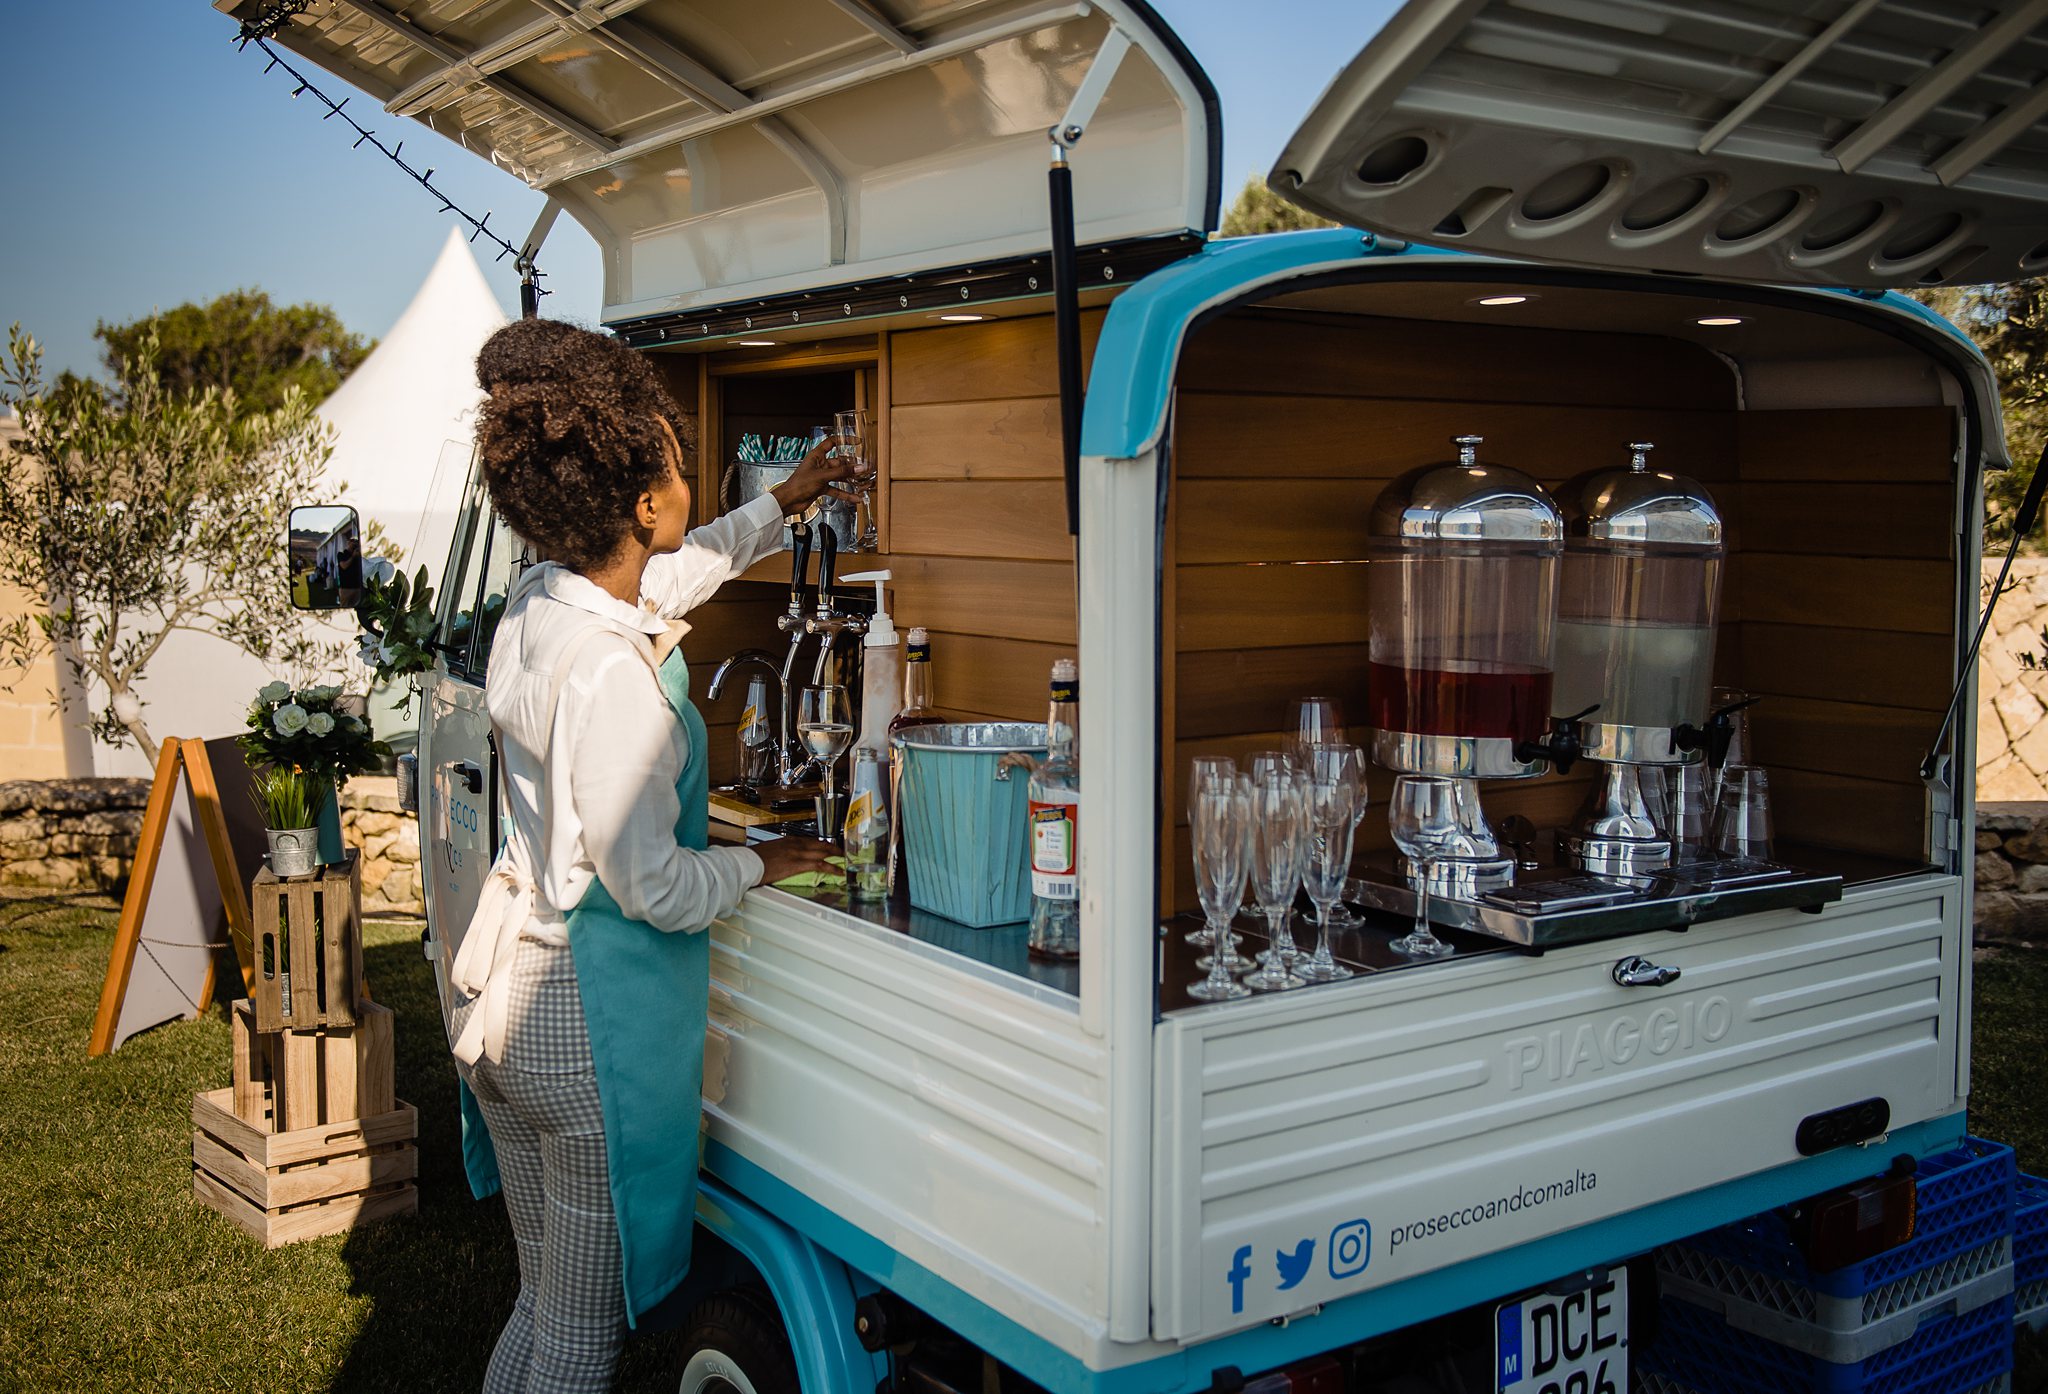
x=402, y=425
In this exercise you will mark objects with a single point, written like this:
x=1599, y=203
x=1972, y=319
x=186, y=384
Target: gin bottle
x=1054, y=806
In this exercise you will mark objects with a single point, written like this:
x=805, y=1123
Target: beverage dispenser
x=1635, y=640
x=1464, y=593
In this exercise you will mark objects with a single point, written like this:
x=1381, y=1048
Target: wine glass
x=825, y=725
x=1221, y=811
x=1204, y=771
x=1313, y=721
x=855, y=429
x=1331, y=805
x=1277, y=831
x=1423, y=816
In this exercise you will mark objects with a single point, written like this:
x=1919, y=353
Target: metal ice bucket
x=964, y=824
x=747, y=480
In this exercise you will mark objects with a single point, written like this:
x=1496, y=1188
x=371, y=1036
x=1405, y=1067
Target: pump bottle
x=881, y=672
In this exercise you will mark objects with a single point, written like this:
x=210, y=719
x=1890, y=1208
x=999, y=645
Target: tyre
x=737, y=1345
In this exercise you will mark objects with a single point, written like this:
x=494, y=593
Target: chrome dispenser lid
x=1636, y=504
x=1463, y=500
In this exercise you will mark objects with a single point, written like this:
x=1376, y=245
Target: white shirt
x=595, y=797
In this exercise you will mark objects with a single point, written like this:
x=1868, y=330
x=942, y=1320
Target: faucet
x=827, y=622
x=792, y=622
x=759, y=658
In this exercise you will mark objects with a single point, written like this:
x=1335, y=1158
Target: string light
x=259, y=29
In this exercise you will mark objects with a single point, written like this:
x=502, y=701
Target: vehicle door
x=462, y=820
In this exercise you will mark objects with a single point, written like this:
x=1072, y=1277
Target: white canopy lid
x=725, y=150
x=1867, y=143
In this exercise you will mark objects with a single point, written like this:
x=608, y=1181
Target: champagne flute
x=1423, y=816
x=1313, y=721
x=1262, y=765
x=1331, y=804
x=855, y=429
x=1221, y=811
x=1343, y=916
x=825, y=725
x=1276, y=872
x=1204, y=771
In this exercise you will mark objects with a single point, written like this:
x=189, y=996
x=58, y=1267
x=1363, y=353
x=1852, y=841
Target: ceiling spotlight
x=1497, y=300
x=759, y=343
x=963, y=319
x=1719, y=321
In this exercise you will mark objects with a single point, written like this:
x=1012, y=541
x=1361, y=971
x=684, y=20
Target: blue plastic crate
x=1698, y=1351
x=1966, y=1202
x=2030, y=1231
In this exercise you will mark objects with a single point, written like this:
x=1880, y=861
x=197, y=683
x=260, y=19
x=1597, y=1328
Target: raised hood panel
x=726, y=150
x=1864, y=143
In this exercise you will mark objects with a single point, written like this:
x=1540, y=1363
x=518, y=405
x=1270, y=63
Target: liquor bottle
x=918, y=710
x=1054, y=804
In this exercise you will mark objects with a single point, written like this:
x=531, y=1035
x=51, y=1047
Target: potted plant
x=309, y=732
x=290, y=812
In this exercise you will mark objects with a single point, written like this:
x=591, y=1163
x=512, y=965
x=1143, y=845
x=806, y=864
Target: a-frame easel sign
x=185, y=883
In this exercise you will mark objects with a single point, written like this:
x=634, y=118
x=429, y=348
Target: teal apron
x=646, y=996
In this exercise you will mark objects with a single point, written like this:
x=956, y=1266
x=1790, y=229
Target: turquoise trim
x=1142, y=334
x=1342, y=1322
x=813, y=1291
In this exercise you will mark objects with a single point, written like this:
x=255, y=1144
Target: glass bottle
x=918, y=708
x=866, y=831
x=1054, y=804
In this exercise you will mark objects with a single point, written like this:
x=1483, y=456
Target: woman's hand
x=791, y=856
x=820, y=470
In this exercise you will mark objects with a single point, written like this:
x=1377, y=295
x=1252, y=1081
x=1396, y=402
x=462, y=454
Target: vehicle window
x=463, y=580
x=504, y=559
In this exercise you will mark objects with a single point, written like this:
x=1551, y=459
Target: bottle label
x=920, y=653
x=1066, y=691
x=858, y=811
x=749, y=717
x=1054, y=849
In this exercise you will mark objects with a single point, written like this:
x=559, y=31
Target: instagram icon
x=1350, y=1249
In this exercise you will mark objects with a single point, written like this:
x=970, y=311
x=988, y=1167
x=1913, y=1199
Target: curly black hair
x=570, y=436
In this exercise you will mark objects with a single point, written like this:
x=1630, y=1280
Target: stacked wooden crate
x=309, y=1139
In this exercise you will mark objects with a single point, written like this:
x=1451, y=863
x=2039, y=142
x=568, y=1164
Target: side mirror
x=324, y=548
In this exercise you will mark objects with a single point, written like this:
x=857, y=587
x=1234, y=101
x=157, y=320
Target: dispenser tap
x=1562, y=747
x=800, y=555
x=828, y=556
x=1715, y=736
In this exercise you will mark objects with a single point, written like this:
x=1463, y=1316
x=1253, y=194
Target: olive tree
x=141, y=511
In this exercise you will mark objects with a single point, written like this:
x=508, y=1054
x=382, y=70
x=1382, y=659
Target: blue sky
x=152, y=163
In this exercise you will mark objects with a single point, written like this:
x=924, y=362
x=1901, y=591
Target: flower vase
x=332, y=850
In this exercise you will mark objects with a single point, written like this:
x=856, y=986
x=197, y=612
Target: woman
x=585, y=970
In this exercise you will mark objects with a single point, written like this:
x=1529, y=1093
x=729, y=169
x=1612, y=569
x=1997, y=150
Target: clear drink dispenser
x=1636, y=613
x=1465, y=562
x=1464, y=592
x=1635, y=641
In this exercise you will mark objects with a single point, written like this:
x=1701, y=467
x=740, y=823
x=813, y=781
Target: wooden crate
x=312, y=927
x=286, y=1080
x=281, y=1187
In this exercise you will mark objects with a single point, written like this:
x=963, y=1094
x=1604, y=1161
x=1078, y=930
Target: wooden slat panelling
x=1000, y=599
x=1859, y=445
x=1018, y=519
x=1858, y=815
x=1236, y=435
x=1849, y=665
x=974, y=362
x=1882, y=520
x=1270, y=605
x=1913, y=597
x=1237, y=520
x=1224, y=691
x=1358, y=355
x=992, y=679
x=1014, y=438
x=1848, y=738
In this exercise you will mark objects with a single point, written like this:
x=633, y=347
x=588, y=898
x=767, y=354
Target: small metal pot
x=293, y=851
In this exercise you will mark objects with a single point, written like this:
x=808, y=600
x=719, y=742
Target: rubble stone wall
x=69, y=834
x=74, y=835
x=2012, y=698
x=2012, y=873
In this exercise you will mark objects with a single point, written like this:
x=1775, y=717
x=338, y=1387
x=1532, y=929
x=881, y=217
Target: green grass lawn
x=113, y=1278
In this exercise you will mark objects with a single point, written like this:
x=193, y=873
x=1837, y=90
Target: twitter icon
x=1294, y=1267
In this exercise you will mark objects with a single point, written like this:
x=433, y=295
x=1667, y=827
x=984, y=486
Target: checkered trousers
x=540, y=1102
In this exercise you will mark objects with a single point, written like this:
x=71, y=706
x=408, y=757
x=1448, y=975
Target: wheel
x=737, y=1345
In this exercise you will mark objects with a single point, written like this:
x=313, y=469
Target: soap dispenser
x=881, y=671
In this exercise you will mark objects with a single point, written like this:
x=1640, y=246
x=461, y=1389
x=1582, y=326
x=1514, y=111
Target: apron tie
x=483, y=968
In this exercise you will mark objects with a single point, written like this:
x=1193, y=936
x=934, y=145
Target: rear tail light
x=1857, y=1222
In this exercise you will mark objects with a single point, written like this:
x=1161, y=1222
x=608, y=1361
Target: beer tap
x=827, y=622
x=793, y=623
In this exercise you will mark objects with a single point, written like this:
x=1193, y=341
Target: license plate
x=1564, y=1342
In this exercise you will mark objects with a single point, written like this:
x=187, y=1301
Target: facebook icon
x=1240, y=1269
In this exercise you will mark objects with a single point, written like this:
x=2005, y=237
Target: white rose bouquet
x=308, y=730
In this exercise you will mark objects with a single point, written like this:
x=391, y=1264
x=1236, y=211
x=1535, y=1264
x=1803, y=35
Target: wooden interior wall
x=1287, y=428
x=1844, y=579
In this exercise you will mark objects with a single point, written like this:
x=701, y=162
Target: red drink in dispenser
x=1506, y=704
